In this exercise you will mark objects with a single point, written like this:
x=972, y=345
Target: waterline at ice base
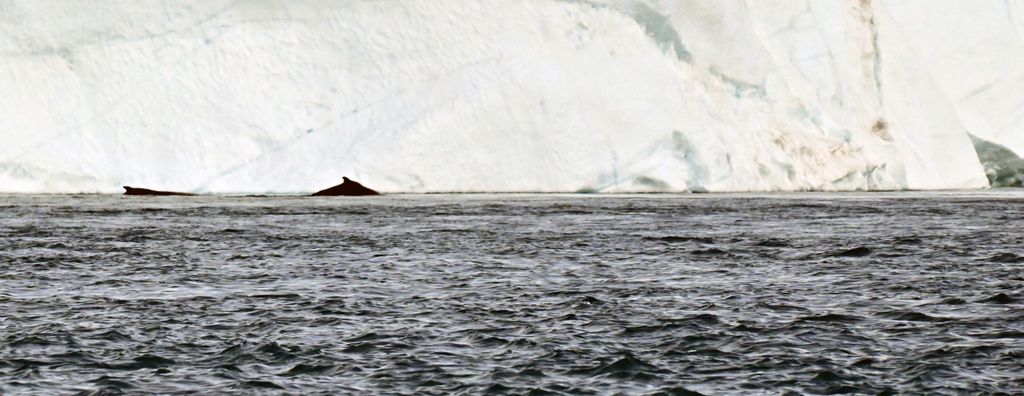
x=279, y=96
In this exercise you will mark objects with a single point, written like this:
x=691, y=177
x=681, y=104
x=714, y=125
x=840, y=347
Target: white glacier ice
x=506, y=95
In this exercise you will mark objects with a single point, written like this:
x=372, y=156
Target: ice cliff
x=507, y=95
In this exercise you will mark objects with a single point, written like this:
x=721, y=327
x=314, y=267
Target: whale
x=145, y=191
x=347, y=188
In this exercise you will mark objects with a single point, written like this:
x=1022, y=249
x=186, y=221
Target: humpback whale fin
x=347, y=188
x=145, y=191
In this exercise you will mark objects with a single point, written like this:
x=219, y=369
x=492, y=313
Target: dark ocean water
x=717, y=294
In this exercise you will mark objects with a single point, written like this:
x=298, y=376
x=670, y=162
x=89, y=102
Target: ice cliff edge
x=494, y=95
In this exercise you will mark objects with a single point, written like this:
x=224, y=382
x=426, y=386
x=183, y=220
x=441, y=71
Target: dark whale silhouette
x=347, y=188
x=146, y=191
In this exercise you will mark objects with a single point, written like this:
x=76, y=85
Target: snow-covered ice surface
x=495, y=95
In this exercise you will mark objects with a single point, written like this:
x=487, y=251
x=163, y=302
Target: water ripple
x=658, y=295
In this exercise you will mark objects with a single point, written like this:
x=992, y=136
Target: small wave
x=682, y=239
x=907, y=241
x=709, y=252
x=676, y=391
x=277, y=351
x=232, y=351
x=260, y=384
x=112, y=335
x=773, y=242
x=108, y=391
x=587, y=301
x=499, y=389
x=1000, y=298
x=111, y=382
x=25, y=371
x=831, y=318
x=1006, y=258
x=141, y=362
x=672, y=324
x=1009, y=334
x=828, y=376
x=912, y=316
x=626, y=366
x=369, y=337
x=29, y=340
x=953, y=301
x=74, y=357
x=284, y=296
x=532, y=372
x=859, y=251
x=310, y=369
x=362, y=347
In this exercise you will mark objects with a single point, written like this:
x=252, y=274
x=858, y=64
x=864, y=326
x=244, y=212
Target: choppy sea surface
x=917, y=293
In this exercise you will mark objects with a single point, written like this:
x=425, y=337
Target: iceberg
x=229, y=96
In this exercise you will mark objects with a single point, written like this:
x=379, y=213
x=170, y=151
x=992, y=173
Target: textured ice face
x=544, y=95
x=973, y=52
